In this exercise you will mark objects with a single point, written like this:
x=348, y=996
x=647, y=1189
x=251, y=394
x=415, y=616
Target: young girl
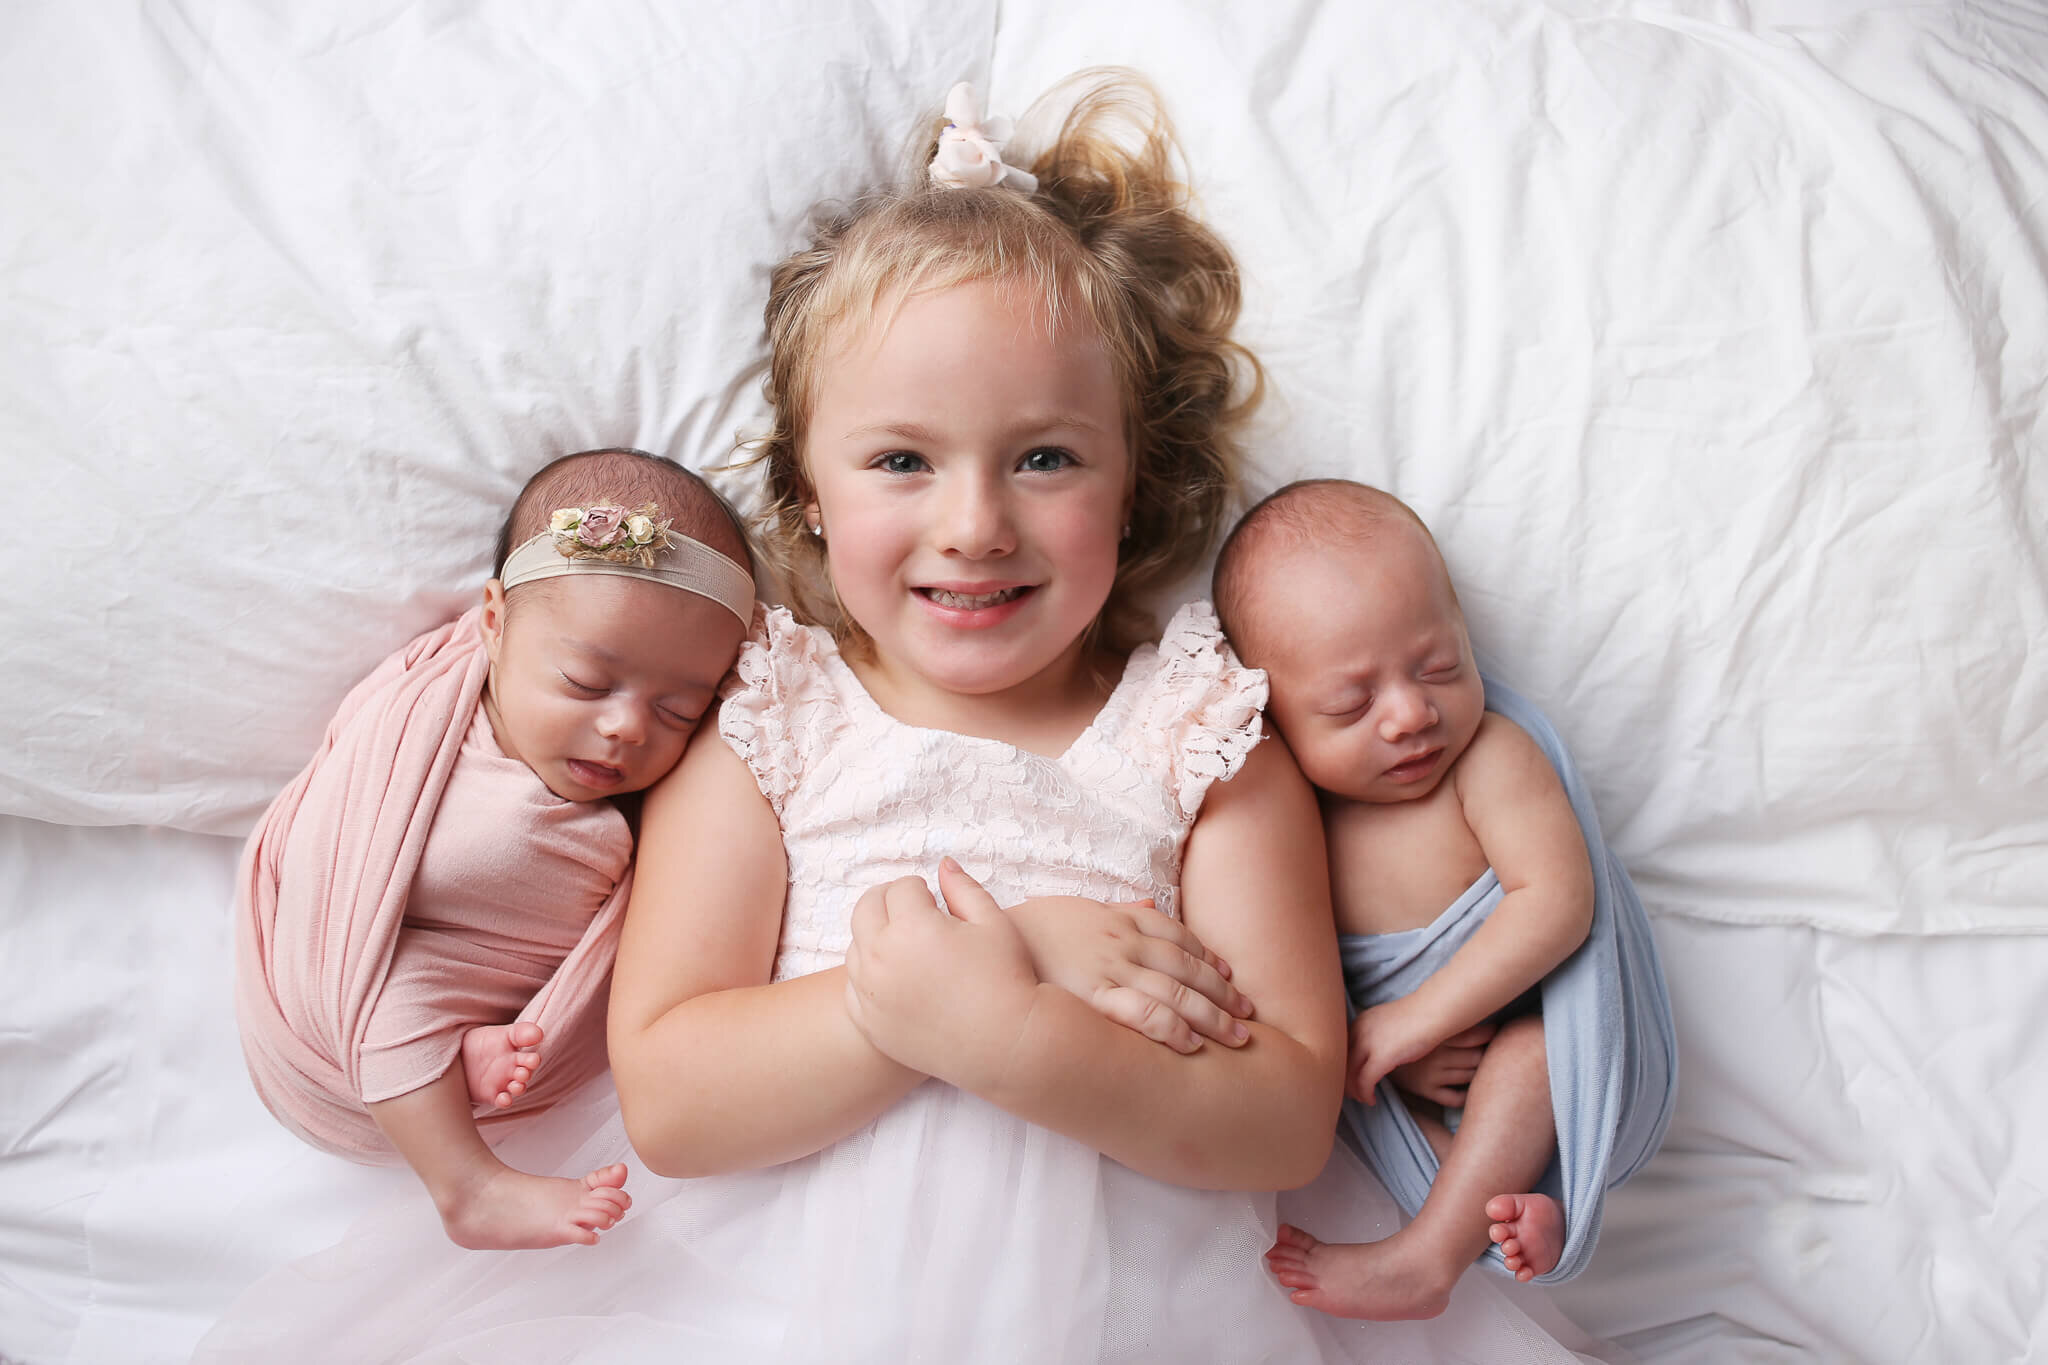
x=450, y=861
x=1004, y=405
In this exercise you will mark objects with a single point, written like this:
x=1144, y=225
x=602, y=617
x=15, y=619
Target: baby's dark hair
x=1108, y=238
x=628, y=477
x=1305, y=512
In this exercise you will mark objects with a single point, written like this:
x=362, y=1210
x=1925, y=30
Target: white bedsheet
x=1712, y=338
x=1854, y=1171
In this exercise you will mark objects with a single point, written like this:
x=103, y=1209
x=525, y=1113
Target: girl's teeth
x=971, y=601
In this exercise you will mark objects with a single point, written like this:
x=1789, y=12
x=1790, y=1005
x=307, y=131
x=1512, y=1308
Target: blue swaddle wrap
x=1607, y=1032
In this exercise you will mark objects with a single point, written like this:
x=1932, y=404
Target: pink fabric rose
x=601, y=526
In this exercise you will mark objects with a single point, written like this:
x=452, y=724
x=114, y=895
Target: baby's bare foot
x=498, y=1060
x=1386, y=1281
x=509, y=1210
x=1530, y=1230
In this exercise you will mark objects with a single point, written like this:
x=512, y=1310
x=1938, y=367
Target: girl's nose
x=1405, y=711
x=977, y=520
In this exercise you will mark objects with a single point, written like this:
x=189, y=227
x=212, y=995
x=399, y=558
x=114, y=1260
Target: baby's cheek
x=670, y=755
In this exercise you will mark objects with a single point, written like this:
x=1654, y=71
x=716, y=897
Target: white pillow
x=1712, y=353
x=298, y=297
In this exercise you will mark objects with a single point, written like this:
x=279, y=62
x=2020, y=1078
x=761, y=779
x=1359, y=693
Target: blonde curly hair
x=1108, y=235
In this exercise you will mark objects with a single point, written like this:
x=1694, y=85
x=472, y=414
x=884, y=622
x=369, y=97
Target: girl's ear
x=490, y=623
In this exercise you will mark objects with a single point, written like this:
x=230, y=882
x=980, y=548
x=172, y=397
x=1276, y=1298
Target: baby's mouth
x=593, y=774
x=973, y=601
x=1410, y=770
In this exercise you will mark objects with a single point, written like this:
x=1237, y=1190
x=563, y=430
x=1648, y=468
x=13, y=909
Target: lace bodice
x=864, y=798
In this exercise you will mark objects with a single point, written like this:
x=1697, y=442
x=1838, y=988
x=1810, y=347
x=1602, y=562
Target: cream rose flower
x=565, y=519
x=640, y=529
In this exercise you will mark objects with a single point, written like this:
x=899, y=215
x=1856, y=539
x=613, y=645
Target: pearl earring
x=1127, y=531
x=818, y=529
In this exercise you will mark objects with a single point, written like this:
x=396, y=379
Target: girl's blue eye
x=901, y=462
x=1046, y=459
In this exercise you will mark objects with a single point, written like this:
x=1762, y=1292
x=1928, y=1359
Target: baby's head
x=604, y=659
x=1338, y=592
x=1101, y=260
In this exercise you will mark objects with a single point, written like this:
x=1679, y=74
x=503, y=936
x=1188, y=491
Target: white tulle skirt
x=947, y=1231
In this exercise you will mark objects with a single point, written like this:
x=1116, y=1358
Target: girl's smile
x=970, y=476
x=974, y=607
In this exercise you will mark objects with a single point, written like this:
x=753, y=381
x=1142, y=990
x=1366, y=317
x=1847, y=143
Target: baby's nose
x=623, y=722
x=1405, y=712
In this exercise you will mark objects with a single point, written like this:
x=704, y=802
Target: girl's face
x=597, y=681
x=972, y=479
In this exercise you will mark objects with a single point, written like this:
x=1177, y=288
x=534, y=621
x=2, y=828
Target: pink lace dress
x=947, y=1230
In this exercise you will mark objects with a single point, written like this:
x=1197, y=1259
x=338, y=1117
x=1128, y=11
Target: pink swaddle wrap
x=327, y=877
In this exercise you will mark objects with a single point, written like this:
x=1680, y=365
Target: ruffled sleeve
x=1200, y=706
x=778, y=707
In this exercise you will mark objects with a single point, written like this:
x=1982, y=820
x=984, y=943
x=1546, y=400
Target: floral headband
x=970, y=151
x=607, y=538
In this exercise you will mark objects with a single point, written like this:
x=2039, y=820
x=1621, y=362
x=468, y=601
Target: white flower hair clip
x=970, y=151
x=610, y=532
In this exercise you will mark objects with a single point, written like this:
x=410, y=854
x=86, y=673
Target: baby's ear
x=490, y=622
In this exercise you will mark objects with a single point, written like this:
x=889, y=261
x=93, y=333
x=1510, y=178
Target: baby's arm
x=717, y=1069
x=1255, y=889
x=1517, y=809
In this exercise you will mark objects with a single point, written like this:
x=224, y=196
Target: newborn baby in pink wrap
x=438, y=895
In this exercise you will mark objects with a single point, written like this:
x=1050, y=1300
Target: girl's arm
x=1518, y=810
x=718, y=1070
x=955, y=996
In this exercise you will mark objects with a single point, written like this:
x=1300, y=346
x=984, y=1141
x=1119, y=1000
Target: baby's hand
x=1444, y=1074
x=1382, y=1038
x=945, y=994
x=1137, y=968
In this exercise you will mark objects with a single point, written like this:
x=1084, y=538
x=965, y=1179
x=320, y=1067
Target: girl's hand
x=1382, y=1038
x=1136, y=967
x=1443, y=1076
x=938, y=992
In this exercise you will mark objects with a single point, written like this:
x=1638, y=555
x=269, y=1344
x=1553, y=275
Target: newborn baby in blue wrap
x=1338, y=592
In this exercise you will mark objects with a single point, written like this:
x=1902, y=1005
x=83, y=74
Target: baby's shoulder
x=1501, y=751
x=1505, y=775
